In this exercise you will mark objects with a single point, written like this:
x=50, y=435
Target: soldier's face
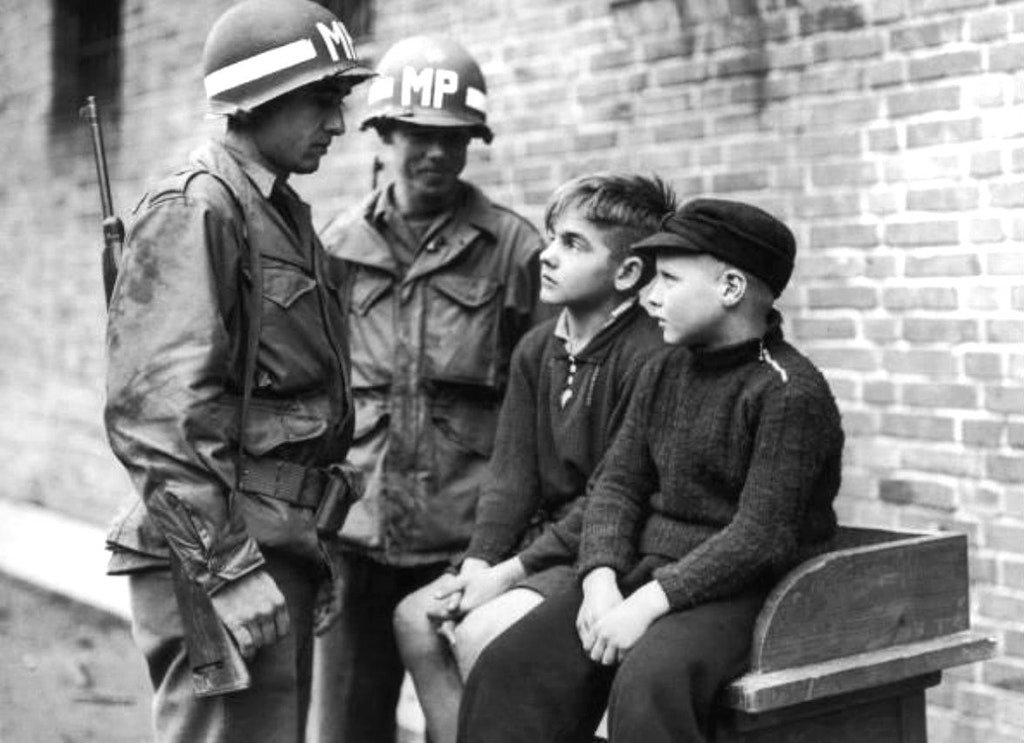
x=428, y=160
x=294, y=131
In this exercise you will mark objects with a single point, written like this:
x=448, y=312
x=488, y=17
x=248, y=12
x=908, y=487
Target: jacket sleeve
x=167, y=416
x=511, y=491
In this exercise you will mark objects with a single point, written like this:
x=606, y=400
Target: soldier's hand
x=254, y=611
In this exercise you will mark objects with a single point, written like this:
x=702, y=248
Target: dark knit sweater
x=543, y=452
x=723, y=473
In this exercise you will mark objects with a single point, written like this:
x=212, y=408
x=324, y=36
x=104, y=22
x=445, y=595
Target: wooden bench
x=847, y=643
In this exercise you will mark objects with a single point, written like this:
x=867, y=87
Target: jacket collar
x=251, y=183
x=621, y=320
x=363, y=242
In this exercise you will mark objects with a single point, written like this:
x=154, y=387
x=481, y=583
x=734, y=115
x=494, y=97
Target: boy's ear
x=628, y=274
x=733, y=286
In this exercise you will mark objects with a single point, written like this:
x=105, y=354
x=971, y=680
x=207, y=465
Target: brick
x=881, y=329
x=815, y=206
x=938, y=232
x=983, y=365
x=988, y=26
x=883, y=203
x=922, y=165
x=923, y=298
x=986, y=164
x=824, y=329
x=844, y=235
x=843, y=174
x=1008, y=195
x=1005, y=673
x=1017, y=298
x=1006, y=57
x=943, y=199
x=940, y=395
x=850, y=359
x=933, y=33
x=843, y=297
x=926, y=458
x=886, y=73
x=941, y=265
x=865, y=45
x=926, y=330
x=982, y=231
x=951, y=131
x=831, y=17
x=1008, y=469
x=755, y=180
x=983, y=433
x=907, y=426
x=945, y=64
x=845, y=112
x=933, y=364
x=1004, y=399
x=1005, y=264
x=879, y=393
x=1004, y=331
x=884, y=140
x=926, y=494
x=928, y=100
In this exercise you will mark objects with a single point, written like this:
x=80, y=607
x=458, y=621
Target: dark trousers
x=272, y=709
x=357, y=674
x=534, y=683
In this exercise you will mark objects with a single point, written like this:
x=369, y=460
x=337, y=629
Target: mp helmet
x=261, y=49
x=429, y=81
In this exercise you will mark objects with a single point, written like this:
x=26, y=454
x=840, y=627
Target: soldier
x=440, y=284
x=228, y=381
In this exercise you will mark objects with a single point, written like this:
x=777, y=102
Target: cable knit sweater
x=723, y=473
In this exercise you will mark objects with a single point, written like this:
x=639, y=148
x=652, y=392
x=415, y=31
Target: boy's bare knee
x=411, y=624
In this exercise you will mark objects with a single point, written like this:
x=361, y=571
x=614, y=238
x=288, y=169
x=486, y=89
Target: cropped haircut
x=625, y=207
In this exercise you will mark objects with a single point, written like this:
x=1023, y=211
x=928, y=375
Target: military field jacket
x=430, y=348
x=176, y=338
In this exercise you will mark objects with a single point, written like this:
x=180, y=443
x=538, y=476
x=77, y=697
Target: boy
x=570, y=380
x=721, y=478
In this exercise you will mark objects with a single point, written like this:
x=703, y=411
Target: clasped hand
x=608, y=625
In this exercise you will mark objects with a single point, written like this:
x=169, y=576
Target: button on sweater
x=723, y=473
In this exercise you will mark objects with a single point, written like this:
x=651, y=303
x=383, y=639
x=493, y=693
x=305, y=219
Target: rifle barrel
x=91, y=114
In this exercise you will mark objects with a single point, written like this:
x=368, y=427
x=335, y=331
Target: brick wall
x=890, y=134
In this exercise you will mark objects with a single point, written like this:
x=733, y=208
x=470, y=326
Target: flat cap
x=739, y=234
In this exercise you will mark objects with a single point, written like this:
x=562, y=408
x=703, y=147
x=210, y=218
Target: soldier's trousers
x=272, y=709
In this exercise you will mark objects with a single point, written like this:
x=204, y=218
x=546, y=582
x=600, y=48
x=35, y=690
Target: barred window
x=86, y=57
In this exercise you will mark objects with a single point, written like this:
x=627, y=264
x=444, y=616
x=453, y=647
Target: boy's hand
x=601, y=594
x=484, y=585
x=618, y=630
x=450, y=588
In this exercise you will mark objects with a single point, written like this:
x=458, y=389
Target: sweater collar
x=744, y=352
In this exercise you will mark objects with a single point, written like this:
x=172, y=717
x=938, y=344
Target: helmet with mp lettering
x=429, y=81
x=261, y=49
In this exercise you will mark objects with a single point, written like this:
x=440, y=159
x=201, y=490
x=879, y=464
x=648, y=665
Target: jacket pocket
x=273, y=423
x=284, y=286
x=371, y=329
x=462, y=330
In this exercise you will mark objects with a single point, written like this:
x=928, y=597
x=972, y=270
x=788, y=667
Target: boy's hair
x=627, y=208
